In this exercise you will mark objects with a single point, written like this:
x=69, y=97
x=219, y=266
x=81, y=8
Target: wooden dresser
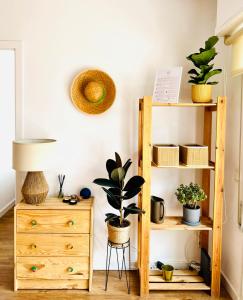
x=53, y=245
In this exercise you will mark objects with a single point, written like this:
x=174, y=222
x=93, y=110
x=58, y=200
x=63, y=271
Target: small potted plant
x=190, y=196
x=202, y=88
x=118, y=192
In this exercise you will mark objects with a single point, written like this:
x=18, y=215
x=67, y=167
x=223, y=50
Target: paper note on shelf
x=167, y=85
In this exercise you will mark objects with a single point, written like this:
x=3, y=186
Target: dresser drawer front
x=52, y=267
x=52, y=244
x=50, y=284
x=53, y=221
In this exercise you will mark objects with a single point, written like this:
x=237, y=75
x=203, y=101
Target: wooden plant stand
x=183, y=279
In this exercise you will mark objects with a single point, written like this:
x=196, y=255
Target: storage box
x=194, y=154
x=166, y=155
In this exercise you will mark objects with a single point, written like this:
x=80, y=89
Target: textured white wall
x=130, y=40
x=7, y=123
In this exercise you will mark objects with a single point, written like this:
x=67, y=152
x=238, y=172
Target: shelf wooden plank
x=210, y=166
x=182, y=280
x=175, y=223
x=188, y=104
x=171, y=286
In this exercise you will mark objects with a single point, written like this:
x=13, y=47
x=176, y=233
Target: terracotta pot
x=201, y=93
x=118, y=235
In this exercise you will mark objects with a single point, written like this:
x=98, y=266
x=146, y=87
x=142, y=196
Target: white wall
x=130, y=40
x=7, y=121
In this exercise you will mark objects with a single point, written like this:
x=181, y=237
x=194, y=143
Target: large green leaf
x=211, y=42
x=118, y=174
x=210, y=74
x=132, y=193
x=132, y=209
x=134, y=183
x=105, y=182
x=202, y=58
x=193, y=71
x=110, y=166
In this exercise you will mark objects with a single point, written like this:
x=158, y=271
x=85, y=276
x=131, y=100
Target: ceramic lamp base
x=35, y=188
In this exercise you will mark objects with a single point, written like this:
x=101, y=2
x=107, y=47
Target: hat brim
x=78, y=97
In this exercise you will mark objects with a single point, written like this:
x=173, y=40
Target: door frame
x=17, y=46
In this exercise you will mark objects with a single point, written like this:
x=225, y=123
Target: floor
x=116, y=289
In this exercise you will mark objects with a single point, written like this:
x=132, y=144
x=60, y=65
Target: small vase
x=61, y=194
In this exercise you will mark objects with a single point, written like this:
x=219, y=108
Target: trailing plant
x=190, y=195
x=118, y=192
x=201, y=61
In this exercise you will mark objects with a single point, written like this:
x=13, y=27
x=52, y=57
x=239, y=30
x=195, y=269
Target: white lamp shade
x=33, y=154
x=237, y=56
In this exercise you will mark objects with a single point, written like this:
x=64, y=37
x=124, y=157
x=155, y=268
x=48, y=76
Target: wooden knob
x=70, y=223
x=33, y=222
x=69, y=246
x=70, y=269
x=34, y=268
x=33, y=246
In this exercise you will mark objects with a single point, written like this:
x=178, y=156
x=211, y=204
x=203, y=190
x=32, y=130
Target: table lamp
x=33, y=156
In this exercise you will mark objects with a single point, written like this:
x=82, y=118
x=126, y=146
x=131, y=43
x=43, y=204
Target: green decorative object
x=34, y=268
x=70, y=269
x=33, y=222
x=201, y=61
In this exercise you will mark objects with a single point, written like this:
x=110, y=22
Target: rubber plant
x=201, y=60
x=118, y=192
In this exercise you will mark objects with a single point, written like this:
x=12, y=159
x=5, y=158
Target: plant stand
x=122, y=248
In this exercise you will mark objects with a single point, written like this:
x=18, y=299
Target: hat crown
x=94, y=91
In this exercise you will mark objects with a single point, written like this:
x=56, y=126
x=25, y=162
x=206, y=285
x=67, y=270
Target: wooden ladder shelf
x=183, y=279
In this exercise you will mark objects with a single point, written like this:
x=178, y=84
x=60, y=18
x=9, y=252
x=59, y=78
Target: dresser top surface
x=56, y=203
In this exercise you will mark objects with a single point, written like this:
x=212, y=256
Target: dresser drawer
x=52, y=267
x=53, y=221
x=52, y=244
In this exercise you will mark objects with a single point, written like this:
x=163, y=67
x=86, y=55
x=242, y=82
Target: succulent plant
x=118, y=192
x=201, y=61
x=190, y=195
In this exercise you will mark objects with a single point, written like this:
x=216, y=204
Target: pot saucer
x=190, y=224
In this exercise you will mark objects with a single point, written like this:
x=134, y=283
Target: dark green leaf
x=110, y=166
x=203, y=58
x=193, y=71
x=118, y=160
x=211, y=42
x=132, y=193
x=105, y=182
x=127, y=165
x=134, y=183
x=132, y=209
x=210, y=74
x=212, y=82
x=111, y=216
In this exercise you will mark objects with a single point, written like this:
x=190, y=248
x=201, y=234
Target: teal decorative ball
x=85, y=193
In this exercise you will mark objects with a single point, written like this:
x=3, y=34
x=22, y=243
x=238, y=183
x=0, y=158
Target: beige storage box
x=194, y=154
x=166, y=155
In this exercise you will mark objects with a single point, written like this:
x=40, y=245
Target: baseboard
x=6, y=208
x=229, y=287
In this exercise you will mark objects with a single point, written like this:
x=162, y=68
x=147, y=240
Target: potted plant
x=117, y=192
x=202, y=88
x=190, y=196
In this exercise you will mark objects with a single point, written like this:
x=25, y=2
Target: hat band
x=99, y=101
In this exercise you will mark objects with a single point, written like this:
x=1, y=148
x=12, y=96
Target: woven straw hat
x=93, y=91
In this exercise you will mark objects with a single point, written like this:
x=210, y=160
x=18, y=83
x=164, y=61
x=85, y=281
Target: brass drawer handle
x=34, y=268
x=33, y=222
x=70, y=223
x=33, y=246
x=70, y=269
x=70, y=246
